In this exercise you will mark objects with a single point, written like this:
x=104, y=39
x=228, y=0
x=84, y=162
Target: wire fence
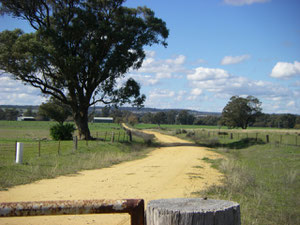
x=277, y=138
x=45, y=148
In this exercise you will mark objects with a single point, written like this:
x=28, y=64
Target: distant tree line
x=183, y=117
x=13, y=114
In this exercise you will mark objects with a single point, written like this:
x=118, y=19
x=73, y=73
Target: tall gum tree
x=80, y=50
x=240, y=112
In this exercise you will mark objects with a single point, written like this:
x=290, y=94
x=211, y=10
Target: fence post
x=296, y=137
x=130, y=136
x=231, y=136
x=112, y=137
x=267, y=138
x=280, y=139
x=19, y=153
x=256, y=137
x=39, y=148
x=119, y=137
x=192, y=211
x=105, y=136
x=58, y=151
x=75, y=142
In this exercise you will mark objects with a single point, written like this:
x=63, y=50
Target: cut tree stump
x=192, y=211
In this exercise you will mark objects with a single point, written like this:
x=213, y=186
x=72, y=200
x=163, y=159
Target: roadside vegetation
x=44, y=158
x=263, y=178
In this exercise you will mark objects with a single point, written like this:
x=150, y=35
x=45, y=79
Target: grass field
x=48, y=159
x=274, y=136
x=263, y=177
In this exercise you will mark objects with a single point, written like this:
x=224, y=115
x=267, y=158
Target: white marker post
x=19, y=153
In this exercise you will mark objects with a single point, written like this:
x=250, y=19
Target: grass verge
x=96, y=156
x=264, y=179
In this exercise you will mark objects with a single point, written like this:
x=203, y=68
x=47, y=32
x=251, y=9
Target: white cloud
x=291, y=103
x=161, y=69
x=158, y=94
x=220, y=82
x=180, y=95
x=227, y=60
x=196, y=91
x=144, y=80
x=244, y=2
x=285, y=70
x=202, y=74
x=13, y=92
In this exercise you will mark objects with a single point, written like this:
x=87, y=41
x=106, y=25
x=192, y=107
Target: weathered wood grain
x=192, y=211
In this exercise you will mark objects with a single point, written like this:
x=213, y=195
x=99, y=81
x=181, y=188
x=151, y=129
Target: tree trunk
x=193, y=211
x=81, y=121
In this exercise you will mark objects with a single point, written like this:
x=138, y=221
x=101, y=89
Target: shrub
x=62, y=131
x=190, y=134
x=178, y=131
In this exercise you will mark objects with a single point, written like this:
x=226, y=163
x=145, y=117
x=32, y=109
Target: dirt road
x=167, y=172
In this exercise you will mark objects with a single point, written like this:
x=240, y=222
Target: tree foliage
x=240, y=112
x=160, y=118
x=55, y=110
x=79, y=50
x=62, y=131
x=184, y=117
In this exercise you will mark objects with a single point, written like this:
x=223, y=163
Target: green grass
x=263, y=178
x=35, y=130
x=48, y=159
x=275, y=136
x=174, y=126
x=96, y=155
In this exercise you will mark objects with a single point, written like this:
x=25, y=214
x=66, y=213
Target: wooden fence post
x=130, y=136
x=192, y=211
x=39, y=148
x=112, y=137
x=267, y=138
x=231, y=136
x=105, y=136
x=75, y=143
x=58, y=151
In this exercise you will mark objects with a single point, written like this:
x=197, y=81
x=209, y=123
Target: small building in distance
x=25, y=118
x=103, y=120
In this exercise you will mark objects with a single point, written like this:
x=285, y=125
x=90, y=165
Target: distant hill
x=131, y=109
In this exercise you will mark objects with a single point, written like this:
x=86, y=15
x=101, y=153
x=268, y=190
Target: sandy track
x=167, y=172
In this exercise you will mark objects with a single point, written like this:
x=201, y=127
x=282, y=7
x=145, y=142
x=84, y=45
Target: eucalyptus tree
x=80, y=50
x=240, y=112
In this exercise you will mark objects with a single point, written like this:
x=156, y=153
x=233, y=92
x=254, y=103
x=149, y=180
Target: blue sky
x=216, y=49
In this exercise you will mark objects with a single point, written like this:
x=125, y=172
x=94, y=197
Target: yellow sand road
x=167, y=172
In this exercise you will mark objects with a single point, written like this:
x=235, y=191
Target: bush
x=62, y=131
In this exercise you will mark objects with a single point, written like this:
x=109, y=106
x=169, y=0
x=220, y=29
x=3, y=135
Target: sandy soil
x=167, y=172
